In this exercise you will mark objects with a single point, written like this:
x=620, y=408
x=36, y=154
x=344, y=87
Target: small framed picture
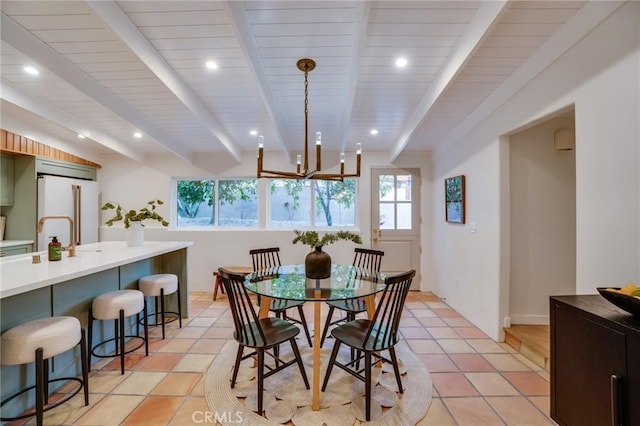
x=454, y=199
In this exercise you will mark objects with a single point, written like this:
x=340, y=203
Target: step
x=532, y=341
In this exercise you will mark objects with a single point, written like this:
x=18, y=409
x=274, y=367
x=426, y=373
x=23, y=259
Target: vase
x=135, y=234
x=317, y=264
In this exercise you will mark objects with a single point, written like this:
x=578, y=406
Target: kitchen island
x=30, y=291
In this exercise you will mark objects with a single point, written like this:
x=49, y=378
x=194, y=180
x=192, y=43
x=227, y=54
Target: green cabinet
x=49, y=166
x=6, y=181
x=13, y=250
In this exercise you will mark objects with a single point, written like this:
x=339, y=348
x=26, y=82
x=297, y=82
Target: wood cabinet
x=6, y=181
x=595, y=362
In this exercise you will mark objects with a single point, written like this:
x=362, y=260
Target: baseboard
x=529, y=319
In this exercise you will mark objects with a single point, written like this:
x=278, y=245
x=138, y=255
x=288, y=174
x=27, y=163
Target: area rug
x=286, y=400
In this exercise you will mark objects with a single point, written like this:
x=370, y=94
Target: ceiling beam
x=24, y=41
x=479, y=27
x=244, y=34
x=359, y=35
x=121, y=25
x=581, y=24
x=47, y=111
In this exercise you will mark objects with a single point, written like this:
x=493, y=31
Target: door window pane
x=404, y=216
x=387, y=216
x=403, y=185
x=238, y=203
x=387, y=188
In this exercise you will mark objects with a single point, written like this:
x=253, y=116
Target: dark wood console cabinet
x=595, y=362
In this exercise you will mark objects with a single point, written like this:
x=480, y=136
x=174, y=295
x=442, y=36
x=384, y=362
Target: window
x=219, y=202
x=238, y=203
x=290, y=203
x=395, y=201
x=294, y=206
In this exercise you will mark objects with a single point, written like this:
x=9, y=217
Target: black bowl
x=626, y=302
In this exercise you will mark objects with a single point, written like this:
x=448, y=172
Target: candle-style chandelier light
x=302, y=171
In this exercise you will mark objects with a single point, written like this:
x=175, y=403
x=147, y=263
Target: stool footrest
x=175, y=316
x=48, y=407
x=117, y=353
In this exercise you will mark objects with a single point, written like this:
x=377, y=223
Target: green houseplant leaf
x=313, y=239
x=128, y=216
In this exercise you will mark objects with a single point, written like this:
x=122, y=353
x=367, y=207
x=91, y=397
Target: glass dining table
x=289, y=282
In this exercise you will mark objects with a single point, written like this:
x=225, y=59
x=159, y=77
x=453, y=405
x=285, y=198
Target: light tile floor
x=476, y=381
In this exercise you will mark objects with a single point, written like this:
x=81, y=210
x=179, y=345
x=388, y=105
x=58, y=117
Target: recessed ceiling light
x=137, y=135
x=253, y=133
x=81, y=136
x=212, y=65
x=401, y=62
x=374, y=131
x=31, y=70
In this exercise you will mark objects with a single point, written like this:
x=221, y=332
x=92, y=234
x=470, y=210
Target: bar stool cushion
x=152, y=284
x=108, y=305
x=54, y=335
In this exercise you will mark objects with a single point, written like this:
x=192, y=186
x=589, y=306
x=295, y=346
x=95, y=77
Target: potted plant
x=133, y=219
x=318, y=263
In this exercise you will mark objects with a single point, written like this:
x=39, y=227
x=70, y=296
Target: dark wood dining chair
x=363, y=258
x=266, y=258
x=370, y=336
x=260, y=335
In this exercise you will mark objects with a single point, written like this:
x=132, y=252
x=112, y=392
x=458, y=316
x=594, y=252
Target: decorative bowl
x=625, y=302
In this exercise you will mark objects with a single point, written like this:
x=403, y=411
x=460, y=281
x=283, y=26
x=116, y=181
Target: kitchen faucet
x=70, y=248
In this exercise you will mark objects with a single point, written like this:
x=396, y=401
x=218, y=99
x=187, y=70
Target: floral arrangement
x=147, y=212
x=313, y=239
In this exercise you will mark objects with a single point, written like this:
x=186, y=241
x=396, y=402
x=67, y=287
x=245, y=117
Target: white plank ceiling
x=110, y=68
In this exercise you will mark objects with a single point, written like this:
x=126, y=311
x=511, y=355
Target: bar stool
x=116, y=305
x=158, y=286
x=37, y=341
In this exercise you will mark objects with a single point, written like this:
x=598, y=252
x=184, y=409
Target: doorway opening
x=542, y=217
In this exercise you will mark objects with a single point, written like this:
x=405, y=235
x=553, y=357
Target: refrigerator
x=75, y=198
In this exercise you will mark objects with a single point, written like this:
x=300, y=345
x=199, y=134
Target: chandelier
x=302, y=169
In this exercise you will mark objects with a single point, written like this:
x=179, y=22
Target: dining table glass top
x=290, y=283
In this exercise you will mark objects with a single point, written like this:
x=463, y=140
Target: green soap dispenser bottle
x=55, y=249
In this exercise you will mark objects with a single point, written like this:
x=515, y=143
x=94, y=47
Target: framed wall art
x=454, y=199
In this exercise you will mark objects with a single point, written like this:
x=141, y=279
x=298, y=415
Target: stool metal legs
x=42, y=384
x=40, y=387
x=119, y=338
x=162, y=311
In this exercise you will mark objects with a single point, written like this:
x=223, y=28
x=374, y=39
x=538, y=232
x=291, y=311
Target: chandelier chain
x=306, y=120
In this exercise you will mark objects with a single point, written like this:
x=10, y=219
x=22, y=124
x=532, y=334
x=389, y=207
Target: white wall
x=542, y=202
x=599, y=75
x=131, y=184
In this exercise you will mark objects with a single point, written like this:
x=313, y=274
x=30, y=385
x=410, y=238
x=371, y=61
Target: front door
x=395, y=219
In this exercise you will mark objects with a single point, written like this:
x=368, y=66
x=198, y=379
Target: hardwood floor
x=532, y=341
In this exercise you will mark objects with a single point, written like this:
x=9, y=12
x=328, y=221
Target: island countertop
x=18, y=274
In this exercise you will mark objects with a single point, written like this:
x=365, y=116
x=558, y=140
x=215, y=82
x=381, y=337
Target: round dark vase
x=317, y=264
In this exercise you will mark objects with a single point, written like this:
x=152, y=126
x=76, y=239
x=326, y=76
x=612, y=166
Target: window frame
x=263, y=208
